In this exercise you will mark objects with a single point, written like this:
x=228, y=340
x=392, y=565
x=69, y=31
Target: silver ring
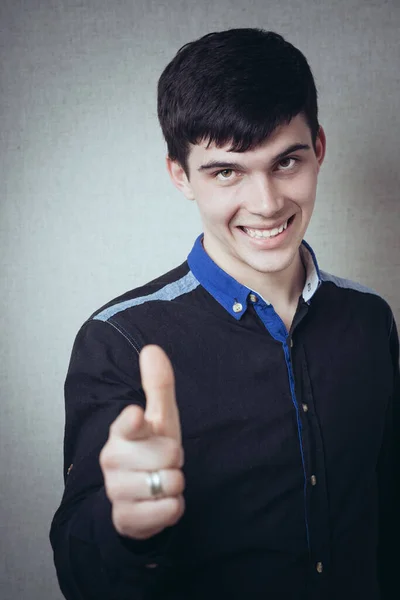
x=154, y=483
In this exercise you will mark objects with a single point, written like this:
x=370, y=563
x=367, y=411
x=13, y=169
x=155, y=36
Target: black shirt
x=290, y=438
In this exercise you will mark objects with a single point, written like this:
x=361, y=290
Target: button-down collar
x=231, y=294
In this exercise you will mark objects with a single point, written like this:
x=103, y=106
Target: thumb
x=158, y=383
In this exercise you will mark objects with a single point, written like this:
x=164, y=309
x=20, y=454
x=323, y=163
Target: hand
x=141, y=442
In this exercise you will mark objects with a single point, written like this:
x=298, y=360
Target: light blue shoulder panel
x=347, y=283
x=169, y=292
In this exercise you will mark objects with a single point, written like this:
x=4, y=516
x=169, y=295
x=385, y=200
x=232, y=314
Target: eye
x=286, y=164
x=224, y=175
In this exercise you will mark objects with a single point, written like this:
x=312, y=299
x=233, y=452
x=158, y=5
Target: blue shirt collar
x=231, y=294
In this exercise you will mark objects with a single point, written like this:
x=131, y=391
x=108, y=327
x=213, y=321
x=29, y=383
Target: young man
x=259, y=459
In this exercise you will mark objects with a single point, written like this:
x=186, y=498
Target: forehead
x=297, y=131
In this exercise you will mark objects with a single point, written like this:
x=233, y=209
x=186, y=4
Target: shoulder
x=355, y=295
x=138, y=312
x=346, y=284
x=167, y=287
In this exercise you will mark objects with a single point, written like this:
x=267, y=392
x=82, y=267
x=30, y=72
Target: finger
x=150, y=454
x=141, y=520
x=130, y=424
x=158, y=383
x=134, y=485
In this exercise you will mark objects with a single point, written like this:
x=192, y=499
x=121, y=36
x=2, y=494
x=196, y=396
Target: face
x=255, y=206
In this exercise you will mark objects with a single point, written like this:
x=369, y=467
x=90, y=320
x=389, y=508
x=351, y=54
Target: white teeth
x=265, y=233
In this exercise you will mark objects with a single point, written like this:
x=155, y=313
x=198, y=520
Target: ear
x=179, y=178
x=320, y=146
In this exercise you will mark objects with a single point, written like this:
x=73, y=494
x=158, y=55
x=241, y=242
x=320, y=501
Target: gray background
x=87, y=210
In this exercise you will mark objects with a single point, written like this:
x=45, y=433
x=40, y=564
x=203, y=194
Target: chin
x=276, y=262
x=270, y=268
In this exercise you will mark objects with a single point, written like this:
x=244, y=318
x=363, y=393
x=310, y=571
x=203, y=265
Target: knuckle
x=174, y=454
x=178, y=482
x=108, y=459
x=176, y=510
x=104, y=456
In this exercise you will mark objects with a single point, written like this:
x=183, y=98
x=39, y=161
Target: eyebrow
x=217, y=164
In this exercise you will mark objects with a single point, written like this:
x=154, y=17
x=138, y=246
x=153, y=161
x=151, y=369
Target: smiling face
x=256, y=205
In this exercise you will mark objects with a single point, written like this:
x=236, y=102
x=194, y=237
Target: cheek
x=210, y=211
x=302, y=189
x=220, y=208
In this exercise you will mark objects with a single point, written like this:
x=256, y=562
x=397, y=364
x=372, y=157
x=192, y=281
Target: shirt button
x=291, y=343
x=253, y=298
x=320, y=567
x=151, y=566
x=313, y=480
x=237, y=307
x=305, y=407
x=69, y=469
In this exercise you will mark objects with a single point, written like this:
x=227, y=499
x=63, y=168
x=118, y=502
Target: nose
x=264, y=197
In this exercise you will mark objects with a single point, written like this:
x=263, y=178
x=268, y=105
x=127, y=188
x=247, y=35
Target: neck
x=281, y=289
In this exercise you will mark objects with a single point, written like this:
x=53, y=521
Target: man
x=230, y=426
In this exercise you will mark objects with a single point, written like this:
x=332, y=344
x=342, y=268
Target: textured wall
x=87, y=210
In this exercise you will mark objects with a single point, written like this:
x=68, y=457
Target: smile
x=267, y=233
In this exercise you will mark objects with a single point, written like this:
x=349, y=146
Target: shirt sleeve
x=92, y=560
x=389, y=486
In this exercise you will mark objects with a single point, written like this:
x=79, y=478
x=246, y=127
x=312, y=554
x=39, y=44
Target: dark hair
x=233, y=86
